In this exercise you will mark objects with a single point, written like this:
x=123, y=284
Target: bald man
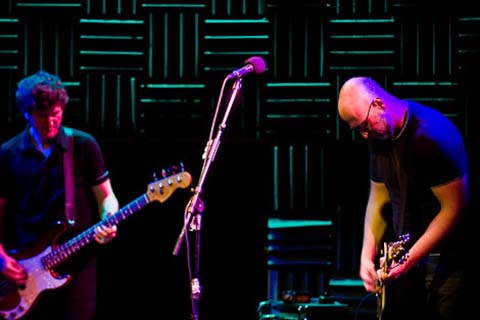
x=418, y=187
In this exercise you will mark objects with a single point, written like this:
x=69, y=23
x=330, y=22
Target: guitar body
x=15, y=302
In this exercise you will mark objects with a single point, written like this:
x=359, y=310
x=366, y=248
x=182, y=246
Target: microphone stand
x=195, y=206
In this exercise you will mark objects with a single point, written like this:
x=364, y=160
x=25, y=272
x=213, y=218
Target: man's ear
x=378, y=103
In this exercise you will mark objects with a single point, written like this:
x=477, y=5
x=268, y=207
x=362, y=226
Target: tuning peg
x=182, y=167
x=172, y=169
x=404, y=237
x=164, y=173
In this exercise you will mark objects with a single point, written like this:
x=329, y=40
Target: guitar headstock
x=397, y=251
x=161, y=190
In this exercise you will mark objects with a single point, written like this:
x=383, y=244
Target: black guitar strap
x=69, y=179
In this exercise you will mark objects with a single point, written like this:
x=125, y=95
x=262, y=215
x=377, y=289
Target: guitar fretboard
x=67, y=249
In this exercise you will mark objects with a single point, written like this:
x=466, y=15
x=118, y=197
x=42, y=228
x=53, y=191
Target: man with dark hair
x=33, y=205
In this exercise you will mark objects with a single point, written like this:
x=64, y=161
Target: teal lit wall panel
x=9, y=44
x=305, y=108
x=363, y=45
x=111, y=45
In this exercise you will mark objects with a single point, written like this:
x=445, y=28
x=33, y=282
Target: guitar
x=16, y=302
x=392, y=252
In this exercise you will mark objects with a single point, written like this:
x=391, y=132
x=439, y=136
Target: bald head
x=355, y=97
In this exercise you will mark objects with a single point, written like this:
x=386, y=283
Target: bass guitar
x=15, y=302
x=392, y=252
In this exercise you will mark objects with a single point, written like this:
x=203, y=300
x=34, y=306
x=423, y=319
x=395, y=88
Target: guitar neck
x=62, y=252
x=392, y=252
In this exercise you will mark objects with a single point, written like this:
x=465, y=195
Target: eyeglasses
x=364, y=126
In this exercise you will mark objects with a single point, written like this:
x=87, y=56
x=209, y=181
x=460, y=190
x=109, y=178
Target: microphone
x=252, y=64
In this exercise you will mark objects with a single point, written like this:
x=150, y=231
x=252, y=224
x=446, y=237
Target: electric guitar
x=392, y=252
x=16, y=302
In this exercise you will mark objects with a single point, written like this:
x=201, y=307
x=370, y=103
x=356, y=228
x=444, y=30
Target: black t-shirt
x=430, y=152
x=34, y=187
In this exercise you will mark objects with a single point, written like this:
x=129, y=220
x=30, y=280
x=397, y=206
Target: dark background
x=145, y=77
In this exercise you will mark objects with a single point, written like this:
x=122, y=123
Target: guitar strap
x=69, y=179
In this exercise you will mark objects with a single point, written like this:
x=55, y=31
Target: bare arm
x=107, y=204
x=453, y=197
x=373, y=232
x=106, y=199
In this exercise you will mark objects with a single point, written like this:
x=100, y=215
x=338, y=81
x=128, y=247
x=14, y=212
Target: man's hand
x=368, y=274
x=12, y=270
x=105, y=234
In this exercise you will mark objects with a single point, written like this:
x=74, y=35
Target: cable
x=360, y=304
